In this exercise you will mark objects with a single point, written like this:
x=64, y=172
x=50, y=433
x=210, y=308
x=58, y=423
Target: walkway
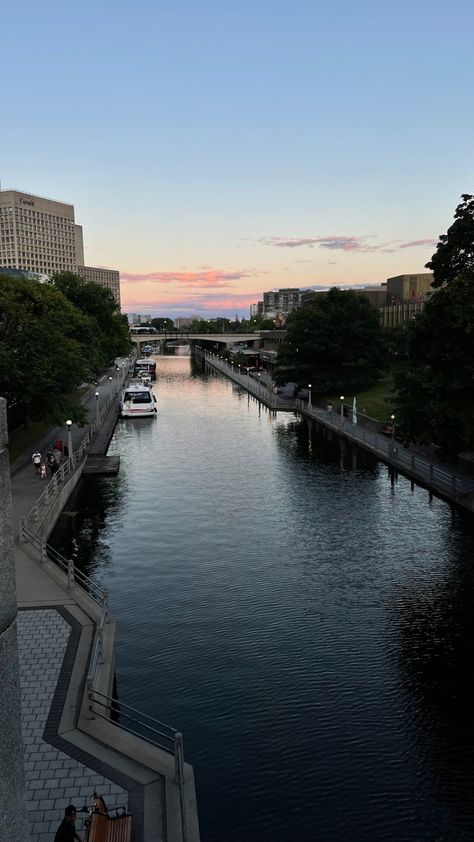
x=440, y=477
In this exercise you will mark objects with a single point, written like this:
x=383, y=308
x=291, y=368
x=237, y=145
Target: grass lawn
x=375, y=402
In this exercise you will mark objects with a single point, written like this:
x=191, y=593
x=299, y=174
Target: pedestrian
x=58, y=445
x=51, y=461
x=36, y=459
x=43, y=470
x=329, y=408
x=66, y=831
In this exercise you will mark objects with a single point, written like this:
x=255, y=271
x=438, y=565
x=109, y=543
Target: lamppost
x=97, y=408
x=309, y=395
x=117, y=372
x=110, y=388
x=392, y=419
x=342, y=410
x=259, y=385
x=70, y=453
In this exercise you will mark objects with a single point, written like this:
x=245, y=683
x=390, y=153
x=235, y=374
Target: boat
x=137, y=400
x=145, y=364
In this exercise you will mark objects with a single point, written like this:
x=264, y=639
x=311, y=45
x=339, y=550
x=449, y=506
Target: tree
x=435, y=395
x=99, y=305
x=45, y=349
x=162, y=323
x=455, y=250
x=333, y=342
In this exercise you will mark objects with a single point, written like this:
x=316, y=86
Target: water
x=305, y=618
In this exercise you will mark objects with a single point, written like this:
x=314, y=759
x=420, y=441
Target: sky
x=214, y=150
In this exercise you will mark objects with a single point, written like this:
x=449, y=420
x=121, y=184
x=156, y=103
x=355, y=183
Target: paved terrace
x=69, y=752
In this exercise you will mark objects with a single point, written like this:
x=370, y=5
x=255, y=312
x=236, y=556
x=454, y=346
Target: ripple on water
x=303, y=617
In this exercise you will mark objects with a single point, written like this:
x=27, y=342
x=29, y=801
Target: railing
x=146, y=728
x=426, y=470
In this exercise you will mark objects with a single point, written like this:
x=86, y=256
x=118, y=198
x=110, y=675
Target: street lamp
x=110, y=387
x=69, y=444
x=342, y=410
x=259, y=384
x=309, y=395
x=392, y=418
x=97, y=408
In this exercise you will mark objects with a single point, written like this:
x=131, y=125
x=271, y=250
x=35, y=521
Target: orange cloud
x=207, y=278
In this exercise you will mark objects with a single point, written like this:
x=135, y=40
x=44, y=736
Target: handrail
x=173, y=741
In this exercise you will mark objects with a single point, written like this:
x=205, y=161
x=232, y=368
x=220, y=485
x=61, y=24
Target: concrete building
x=394, y=315
x=109, y=278
x=280, y=301
x=38, y=235
x=408, y=287
x=377, y=295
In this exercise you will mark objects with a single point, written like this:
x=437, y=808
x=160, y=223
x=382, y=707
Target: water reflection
x=302, y=615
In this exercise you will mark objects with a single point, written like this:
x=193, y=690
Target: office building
x=377, y=295
x=40, y=236
x=109, y=278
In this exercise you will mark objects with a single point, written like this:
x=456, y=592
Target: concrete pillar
x=13, y=816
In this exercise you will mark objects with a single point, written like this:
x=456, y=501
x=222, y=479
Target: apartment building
x=280, y=301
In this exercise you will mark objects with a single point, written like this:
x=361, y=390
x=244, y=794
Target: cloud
x=333, y=243
x=417, y=243
x=205, y=278
x=349, y=243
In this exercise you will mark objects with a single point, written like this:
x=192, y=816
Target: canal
x=304, y=617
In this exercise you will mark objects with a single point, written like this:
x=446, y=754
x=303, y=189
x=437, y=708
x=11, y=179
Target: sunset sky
x=215, y=150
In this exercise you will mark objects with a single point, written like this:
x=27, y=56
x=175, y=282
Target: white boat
x=147, y=365
x=137, y=401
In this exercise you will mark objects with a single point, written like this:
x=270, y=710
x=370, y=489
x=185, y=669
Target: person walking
x=36, y=459
x=66, y=831
x=43, y=470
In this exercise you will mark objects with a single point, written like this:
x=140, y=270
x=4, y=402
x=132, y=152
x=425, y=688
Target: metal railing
x=410, y=462
x=147, y=728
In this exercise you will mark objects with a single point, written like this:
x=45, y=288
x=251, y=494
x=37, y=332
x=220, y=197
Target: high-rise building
x=40, y=236
x=280, y=301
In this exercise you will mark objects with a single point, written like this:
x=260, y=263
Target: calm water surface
x=303, y=617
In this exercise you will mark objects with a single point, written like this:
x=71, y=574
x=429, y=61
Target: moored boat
x=137, y=400
x=147, y=365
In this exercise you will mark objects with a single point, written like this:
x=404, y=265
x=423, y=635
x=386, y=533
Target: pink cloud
x=350, y=244
x=416, y=243
x=333, y=243
x=213, y=278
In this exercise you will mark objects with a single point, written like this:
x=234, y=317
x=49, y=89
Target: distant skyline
x=213, y=151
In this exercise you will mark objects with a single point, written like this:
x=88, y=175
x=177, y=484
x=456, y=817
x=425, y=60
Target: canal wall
x=440, y=478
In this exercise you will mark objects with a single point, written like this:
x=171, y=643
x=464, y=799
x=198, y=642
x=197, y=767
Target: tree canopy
x=455, y=250
x=435, y=395
x=45, y=348
x=333, y=342
x=110, y=327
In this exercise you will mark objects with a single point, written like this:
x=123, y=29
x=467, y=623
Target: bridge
x=208, y=340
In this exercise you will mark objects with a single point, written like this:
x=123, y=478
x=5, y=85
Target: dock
x=103, y=466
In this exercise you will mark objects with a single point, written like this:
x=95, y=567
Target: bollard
x=70, y=573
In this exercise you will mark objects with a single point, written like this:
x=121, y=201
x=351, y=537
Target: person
x=66, y=831
x=52, y=464
x=58, y=445
x=36, y=458
x=329, y=408
x=43, y=470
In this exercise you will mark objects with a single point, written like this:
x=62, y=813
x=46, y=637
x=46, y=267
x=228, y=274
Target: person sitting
x=66, y=831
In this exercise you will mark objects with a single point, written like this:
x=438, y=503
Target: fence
x=438, y=476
